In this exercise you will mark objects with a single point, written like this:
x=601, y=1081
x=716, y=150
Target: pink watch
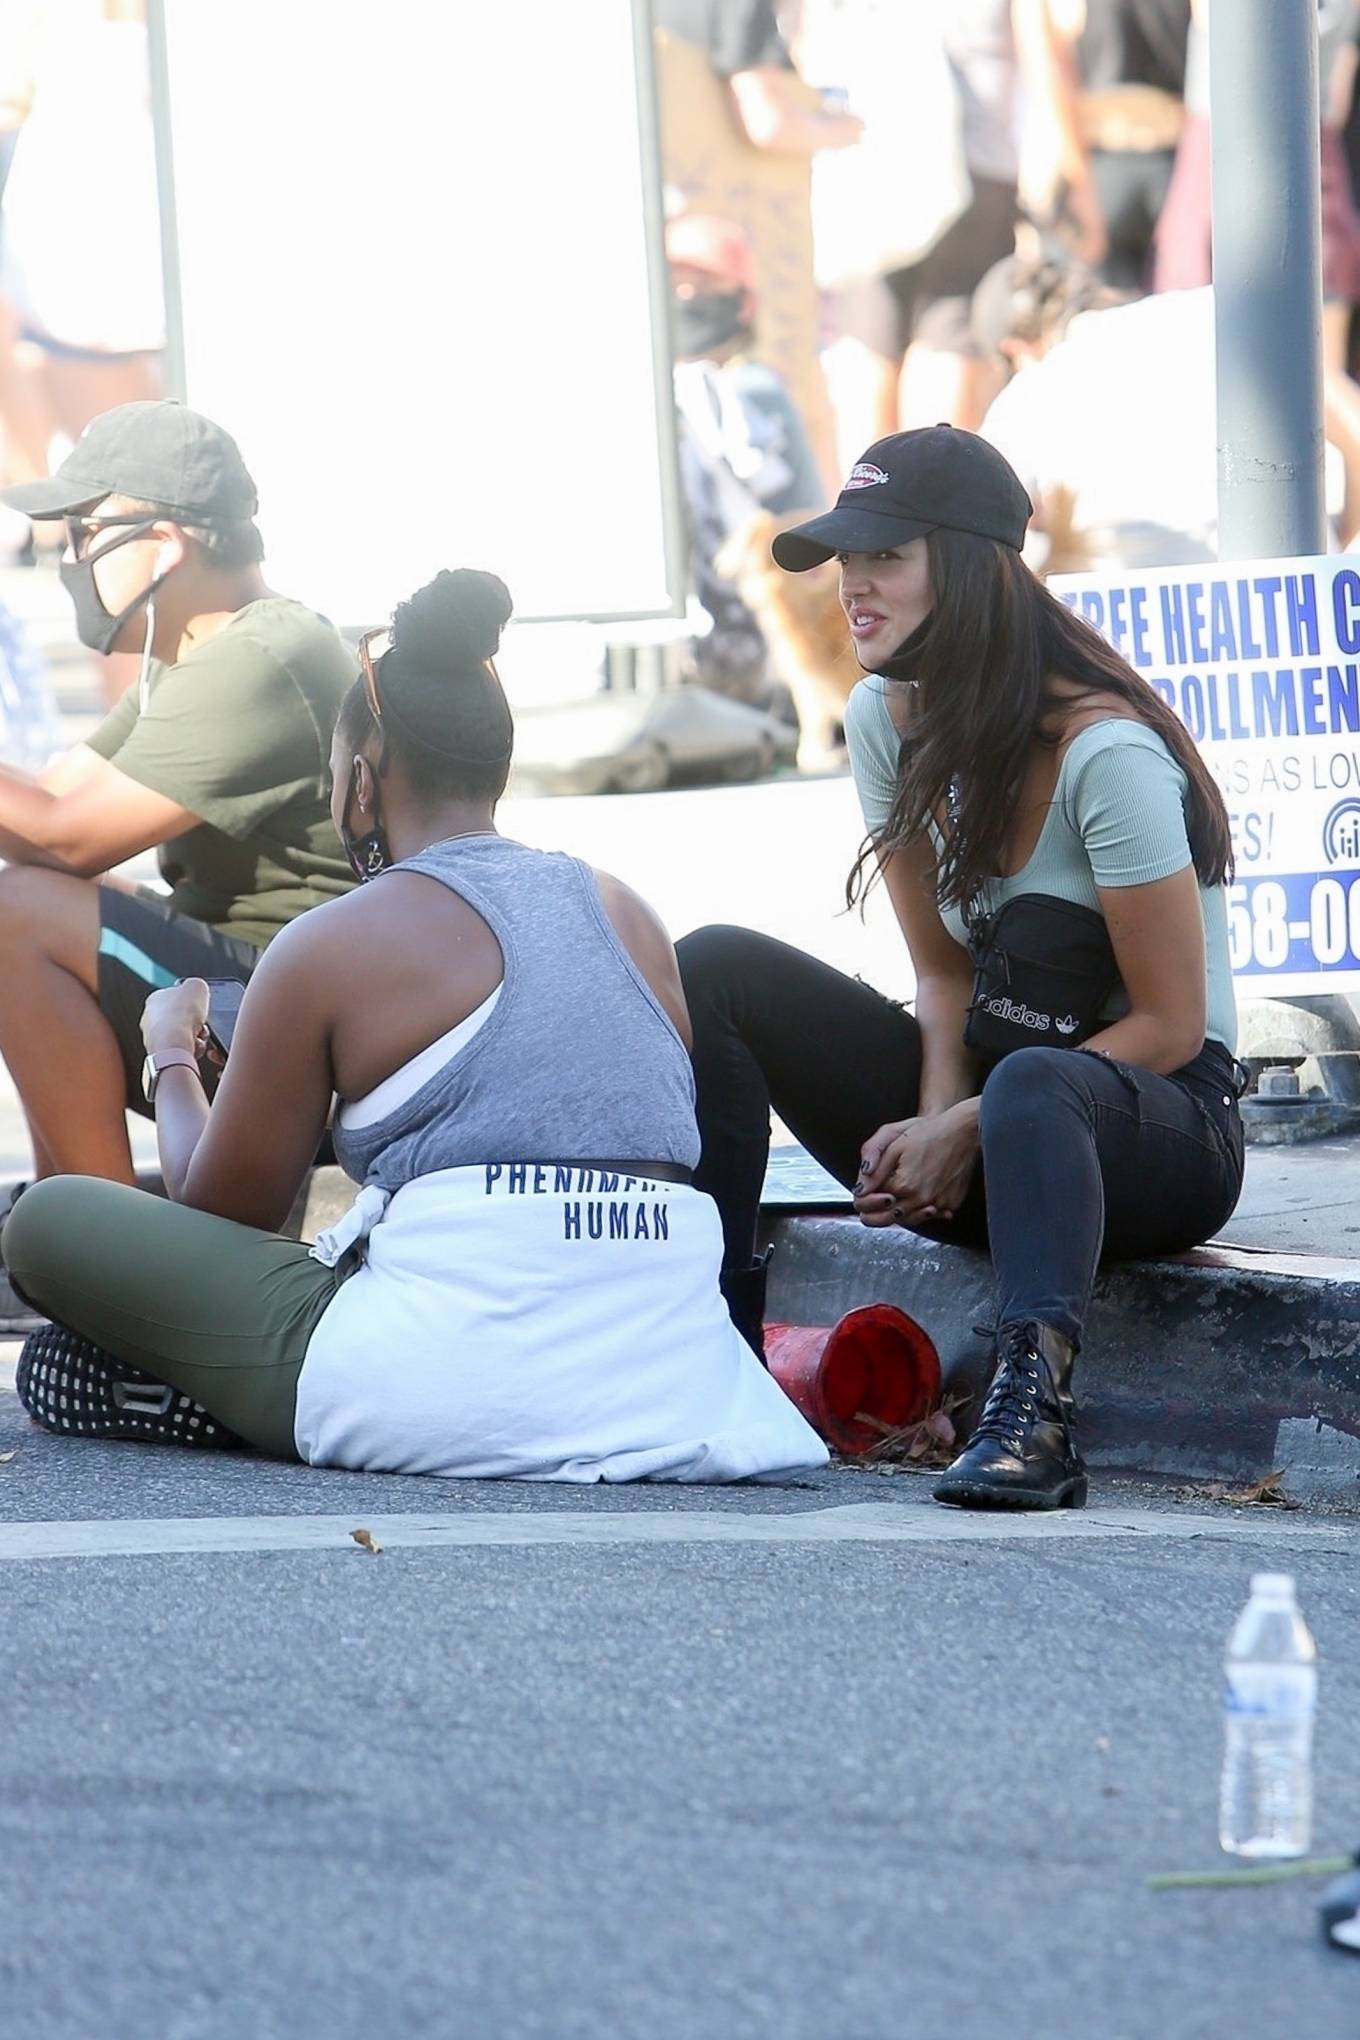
x=164, y=1059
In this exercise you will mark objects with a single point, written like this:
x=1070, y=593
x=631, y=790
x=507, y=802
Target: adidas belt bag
x=1044, y=971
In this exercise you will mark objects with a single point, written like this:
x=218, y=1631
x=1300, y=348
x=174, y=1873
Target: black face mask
x=700, y=325
x=367, y=854
x=95, y=626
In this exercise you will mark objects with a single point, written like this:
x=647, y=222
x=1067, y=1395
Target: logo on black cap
x=864, y=475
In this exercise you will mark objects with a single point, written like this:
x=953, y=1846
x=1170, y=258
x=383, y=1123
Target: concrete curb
x=1223, y=1364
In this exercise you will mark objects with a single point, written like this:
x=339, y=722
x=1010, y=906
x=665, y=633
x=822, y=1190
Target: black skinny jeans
x=1082, y=1158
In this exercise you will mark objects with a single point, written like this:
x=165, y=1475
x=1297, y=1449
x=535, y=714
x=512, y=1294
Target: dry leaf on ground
x=1263, y=1494
x=366, y=1540
x=929, y=1444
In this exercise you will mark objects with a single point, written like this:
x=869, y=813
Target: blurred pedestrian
x=910, y=221
x=218, y=758
x=80, y=257
x=1131, y=57
x=1183, y=255
x=30, y=726
x=1109, y=419
x=740, y=128
x=745, y=47
x=1109, y=416
x=81, y=314
x=743, y=448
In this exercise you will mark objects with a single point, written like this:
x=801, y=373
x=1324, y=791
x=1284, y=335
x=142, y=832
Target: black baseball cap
x=159, y=452
x=907, y=485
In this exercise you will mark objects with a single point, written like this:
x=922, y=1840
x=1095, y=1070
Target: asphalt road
x=808, y=1763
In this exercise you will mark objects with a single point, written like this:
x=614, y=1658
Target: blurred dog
x=803, y=624
x=1069, y=549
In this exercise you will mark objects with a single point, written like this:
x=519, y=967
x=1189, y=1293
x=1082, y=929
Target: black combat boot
x=1022, y=1455
x=744, y=1293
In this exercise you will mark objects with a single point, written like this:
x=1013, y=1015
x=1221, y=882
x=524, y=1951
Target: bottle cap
x=1274, y=1585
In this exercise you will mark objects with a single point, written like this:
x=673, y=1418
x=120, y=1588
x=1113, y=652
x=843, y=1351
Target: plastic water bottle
x=1270, y=1690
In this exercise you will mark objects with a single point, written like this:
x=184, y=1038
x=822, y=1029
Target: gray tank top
x=578, y=1061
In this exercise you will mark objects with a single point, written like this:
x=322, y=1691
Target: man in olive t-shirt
x=218, y=758
x=238, y=731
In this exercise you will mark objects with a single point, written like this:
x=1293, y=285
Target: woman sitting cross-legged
x=1042, y=822
x=528, y=1282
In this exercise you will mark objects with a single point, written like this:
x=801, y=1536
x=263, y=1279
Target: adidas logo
x=1022, y=1016
x=1067, y=1026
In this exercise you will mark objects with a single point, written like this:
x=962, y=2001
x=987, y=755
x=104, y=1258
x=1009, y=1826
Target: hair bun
x=455, y=619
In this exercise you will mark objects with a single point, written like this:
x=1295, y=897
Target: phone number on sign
x=1308, y=921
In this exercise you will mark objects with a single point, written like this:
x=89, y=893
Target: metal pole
x=1263, y=68
x=173, y=374
x=673, y=522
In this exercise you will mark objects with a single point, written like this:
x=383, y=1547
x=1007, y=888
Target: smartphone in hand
x=224, y=1003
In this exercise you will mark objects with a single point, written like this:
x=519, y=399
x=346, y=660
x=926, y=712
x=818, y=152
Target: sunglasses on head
x=374, y=646
x=80, y=530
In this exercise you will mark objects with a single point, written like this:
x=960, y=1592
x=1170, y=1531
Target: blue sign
x=1261, y=662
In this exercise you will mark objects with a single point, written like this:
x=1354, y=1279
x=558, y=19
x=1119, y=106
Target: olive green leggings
x=214, y=1308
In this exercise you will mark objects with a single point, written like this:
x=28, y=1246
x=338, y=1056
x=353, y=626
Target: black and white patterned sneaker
x=72, y=1387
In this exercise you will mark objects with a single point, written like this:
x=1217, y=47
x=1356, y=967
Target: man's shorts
x=144, y=945
x=931, y=301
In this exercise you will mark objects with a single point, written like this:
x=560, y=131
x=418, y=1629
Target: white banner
x=1261, y=662
x=418, y=285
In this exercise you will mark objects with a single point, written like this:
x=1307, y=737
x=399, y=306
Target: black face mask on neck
x=906, y=660
x=95, y=626
x=368, y=854
x=700, y=325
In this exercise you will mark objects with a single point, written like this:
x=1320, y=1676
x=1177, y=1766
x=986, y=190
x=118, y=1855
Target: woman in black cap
x=1056, y=853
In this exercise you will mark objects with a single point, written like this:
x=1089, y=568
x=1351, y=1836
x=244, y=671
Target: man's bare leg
x=939, y=387
x=43, y=1165
x=863, y=389
x=58, y=1047
x=1336, y=334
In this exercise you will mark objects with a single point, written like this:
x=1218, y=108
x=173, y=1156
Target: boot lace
x=1022, y=1390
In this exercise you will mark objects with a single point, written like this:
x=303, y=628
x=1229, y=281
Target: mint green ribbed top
x=1117, y=818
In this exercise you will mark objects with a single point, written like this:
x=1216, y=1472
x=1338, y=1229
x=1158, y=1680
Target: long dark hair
x=996, y=642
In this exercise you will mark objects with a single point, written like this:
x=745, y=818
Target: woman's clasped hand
x=915, y=1170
